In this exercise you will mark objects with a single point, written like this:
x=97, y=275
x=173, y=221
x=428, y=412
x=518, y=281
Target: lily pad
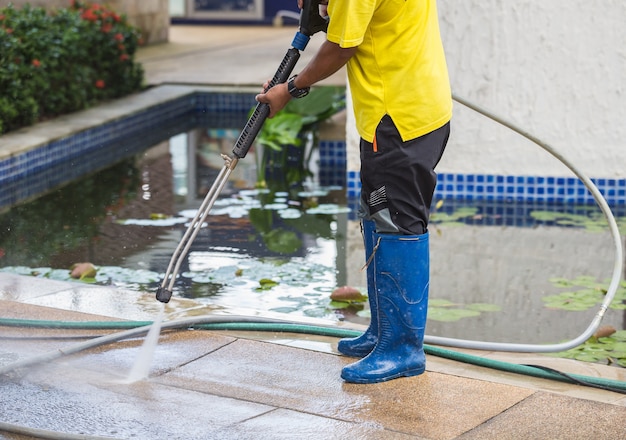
x=609, y=350
x=443, y=310
x=266, y=284
x=484, y=307
x=589, y=294
x=450, y=315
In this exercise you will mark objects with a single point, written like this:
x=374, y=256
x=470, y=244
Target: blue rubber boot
x=401, y=264
x=363, y=344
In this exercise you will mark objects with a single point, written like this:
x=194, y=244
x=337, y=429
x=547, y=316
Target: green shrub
x=63, y=61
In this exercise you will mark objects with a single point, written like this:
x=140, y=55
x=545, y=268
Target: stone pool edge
x=28, y=138
x=42, y=157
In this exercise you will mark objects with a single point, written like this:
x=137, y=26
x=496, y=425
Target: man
x=402, y=103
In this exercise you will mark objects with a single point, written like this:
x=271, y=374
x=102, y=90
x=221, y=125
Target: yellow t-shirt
x=399, y=67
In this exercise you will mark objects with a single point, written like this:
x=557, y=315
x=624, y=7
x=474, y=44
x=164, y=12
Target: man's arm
x=328, y=60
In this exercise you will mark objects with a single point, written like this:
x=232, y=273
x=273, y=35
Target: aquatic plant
x=291, y=136
x=443, y=310
x=610, y=350
x=593, y=221
x=455, y=218
x=584, y=292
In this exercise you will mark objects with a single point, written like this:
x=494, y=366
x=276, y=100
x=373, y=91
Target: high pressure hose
x=617, y=266
x=47, y=434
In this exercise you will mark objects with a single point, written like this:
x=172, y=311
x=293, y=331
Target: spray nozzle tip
x=163, y=294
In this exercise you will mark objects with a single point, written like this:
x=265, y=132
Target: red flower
x=89, y=15
x=100, y=84
x=1, y=17
x=36, y=62
x=124, y=57
x=119, y=37
x=106, y=28
x=2, y=254
x=8, y=30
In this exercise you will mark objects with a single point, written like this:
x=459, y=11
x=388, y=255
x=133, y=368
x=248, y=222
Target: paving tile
x=566, y=365
x=288, y=425
x=309, y=382
x=437, y=406
x=550, y=416
x=74, y=401
x=85, y=298
x=121, y=303
x=323, y=344
x=19, y=310
x=20, y=288
x=23, y=342
x=511, y=378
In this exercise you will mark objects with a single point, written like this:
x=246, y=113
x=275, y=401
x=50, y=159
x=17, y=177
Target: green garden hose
x=245, y=323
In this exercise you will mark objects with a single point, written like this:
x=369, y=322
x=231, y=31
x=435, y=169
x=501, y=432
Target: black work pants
x=398, y=178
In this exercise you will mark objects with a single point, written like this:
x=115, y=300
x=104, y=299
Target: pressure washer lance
x=310, y=23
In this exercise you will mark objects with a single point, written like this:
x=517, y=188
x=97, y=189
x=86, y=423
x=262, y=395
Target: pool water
x=497, y=269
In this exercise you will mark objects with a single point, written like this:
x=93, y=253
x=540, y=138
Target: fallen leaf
x=83, y=270
x=347, y=294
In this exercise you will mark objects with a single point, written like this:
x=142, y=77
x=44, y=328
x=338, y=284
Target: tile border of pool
x=489, y=187
x=54, y=152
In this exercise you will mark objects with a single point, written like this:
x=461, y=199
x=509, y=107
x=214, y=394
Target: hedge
x=57, y=62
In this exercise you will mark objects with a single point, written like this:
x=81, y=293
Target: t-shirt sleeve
x=349, y=20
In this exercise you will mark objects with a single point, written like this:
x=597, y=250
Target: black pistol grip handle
x=310, y=20
x=262, y=110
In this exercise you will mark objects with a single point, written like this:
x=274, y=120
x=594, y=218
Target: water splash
x=141, y=367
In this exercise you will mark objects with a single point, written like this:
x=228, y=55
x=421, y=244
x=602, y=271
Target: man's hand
x=277, y=97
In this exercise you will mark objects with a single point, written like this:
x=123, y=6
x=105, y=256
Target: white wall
x=556, y=68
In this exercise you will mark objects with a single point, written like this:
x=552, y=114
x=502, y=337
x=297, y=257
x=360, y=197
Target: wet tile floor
x=214, y=384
